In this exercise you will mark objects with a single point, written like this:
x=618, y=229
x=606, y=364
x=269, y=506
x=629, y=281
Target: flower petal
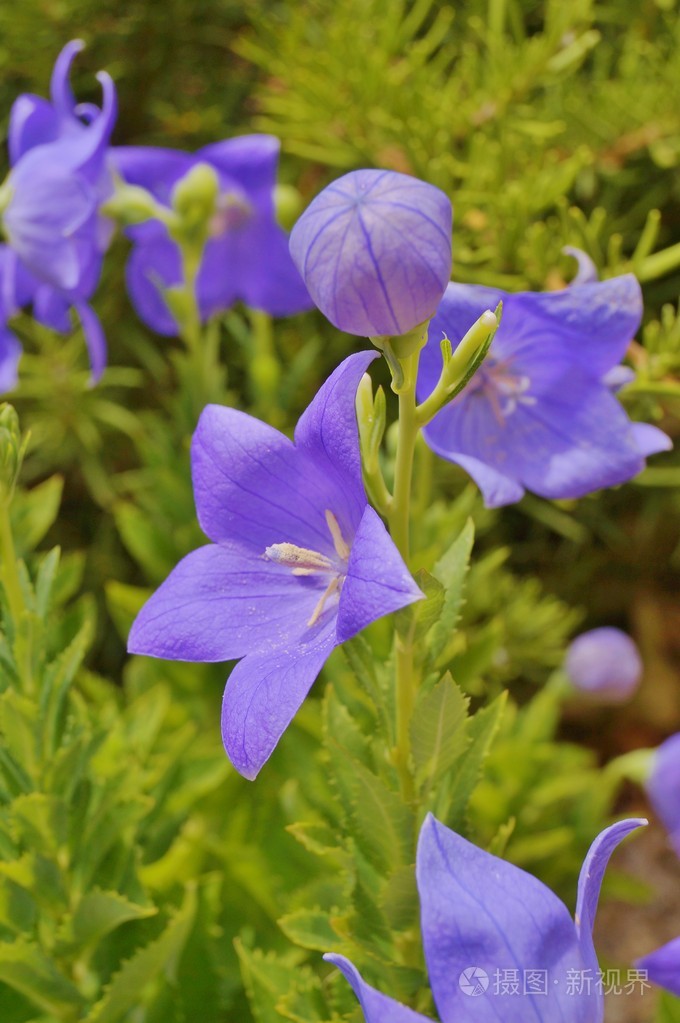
x=10, y=354
x=251, y=160
x=264, y=692
x=587, y=271
x=51, y=308
x=270, y=279
x=663, y=966
x=566, y=437
x=252, y=486
x=218, y=604
x=377, y=1008
x=32, y=122
x=480, y=911
x=649, y=439
x=590, y=882
x=497, y=489
x=377, y=583
x=60, y=85
x=663, y=787
x=94, y=338
x=327, y=431
x=153, y=265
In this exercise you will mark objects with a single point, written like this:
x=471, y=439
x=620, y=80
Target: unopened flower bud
x=604, y=663
x=374, y=249
x=194, y=197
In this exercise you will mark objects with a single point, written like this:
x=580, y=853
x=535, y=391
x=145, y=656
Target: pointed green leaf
x=34, y=511
x=98, y=913
x=451, y=570
x=28, y=970
x=482, y=729
x=385, y=826
x=309, y=928
x=438, y=730
x=161, y=956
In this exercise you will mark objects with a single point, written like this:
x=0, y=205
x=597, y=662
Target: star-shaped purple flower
x=604, y=663
x=483, y=919
x=663, y=787
x=246, y=257
x=59, y=179
x=540, y=414
x=374, y=249
x=299, y=562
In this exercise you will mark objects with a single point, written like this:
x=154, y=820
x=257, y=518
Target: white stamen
x=318, y=610
x=300, y=559
x=339, y=542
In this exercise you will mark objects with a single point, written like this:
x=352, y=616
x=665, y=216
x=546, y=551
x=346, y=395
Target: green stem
x=399, y=523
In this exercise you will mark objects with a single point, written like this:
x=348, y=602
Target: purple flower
x=539, y=414
x=604, y=663
x=483, y=919
x=374, y=249
x=663, y=787
x=246, y=257
x=663, y=966
x=299, y=562
x=59, y=178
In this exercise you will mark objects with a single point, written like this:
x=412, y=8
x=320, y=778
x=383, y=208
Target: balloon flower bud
x=605, y=664
x=374, y=250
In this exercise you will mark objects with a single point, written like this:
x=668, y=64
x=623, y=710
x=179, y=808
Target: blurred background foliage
x=549, y=124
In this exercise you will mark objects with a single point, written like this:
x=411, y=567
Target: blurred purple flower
x=58, y=181
x=540, y=414
x=482, y=917
x=604, y=663
x=247, y=256
x=663, y=966
x=374, y=249
x=663, y=787
x=299, y=562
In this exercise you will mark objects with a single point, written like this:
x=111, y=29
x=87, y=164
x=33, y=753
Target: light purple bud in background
x=663, y=787
x=604, y=663
x=374, y=249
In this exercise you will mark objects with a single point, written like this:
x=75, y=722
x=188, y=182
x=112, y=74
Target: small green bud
x=287, y=205
x=12, y=450
x=179, y=304
x=371, y=418
x=129, y=205
x=194, y=198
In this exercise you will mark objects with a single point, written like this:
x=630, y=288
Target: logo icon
x=473, y=981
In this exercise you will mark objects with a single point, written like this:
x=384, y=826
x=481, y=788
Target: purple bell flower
x=663, y=966
x=483, y=918
x=246, y=257
x=58, y=181
x=663, y=787
x=374, y=249
x=604, y=663
x=539, y=414
x=299, y=562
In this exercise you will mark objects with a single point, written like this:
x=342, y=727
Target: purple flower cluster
x=299, y=562
x=51, y=212
x=481, y=916
x=246, y=257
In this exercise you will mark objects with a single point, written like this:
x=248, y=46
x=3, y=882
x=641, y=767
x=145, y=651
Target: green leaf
x=45, y=580
x=309, y=928
x=98, y=913
x=451, y=570
x=17, y=907
x=41, y=821
x=161, y=956
x=316, y=838
x=482, y=729
x=28, y=970
x=267, y=979
x=438, y=730
x=668, y=1010
x=34, y=511
x=385, y=826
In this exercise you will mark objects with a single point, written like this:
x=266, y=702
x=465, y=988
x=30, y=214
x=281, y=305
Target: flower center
x=303, y=562
x=503, y=388
x=232, y=211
